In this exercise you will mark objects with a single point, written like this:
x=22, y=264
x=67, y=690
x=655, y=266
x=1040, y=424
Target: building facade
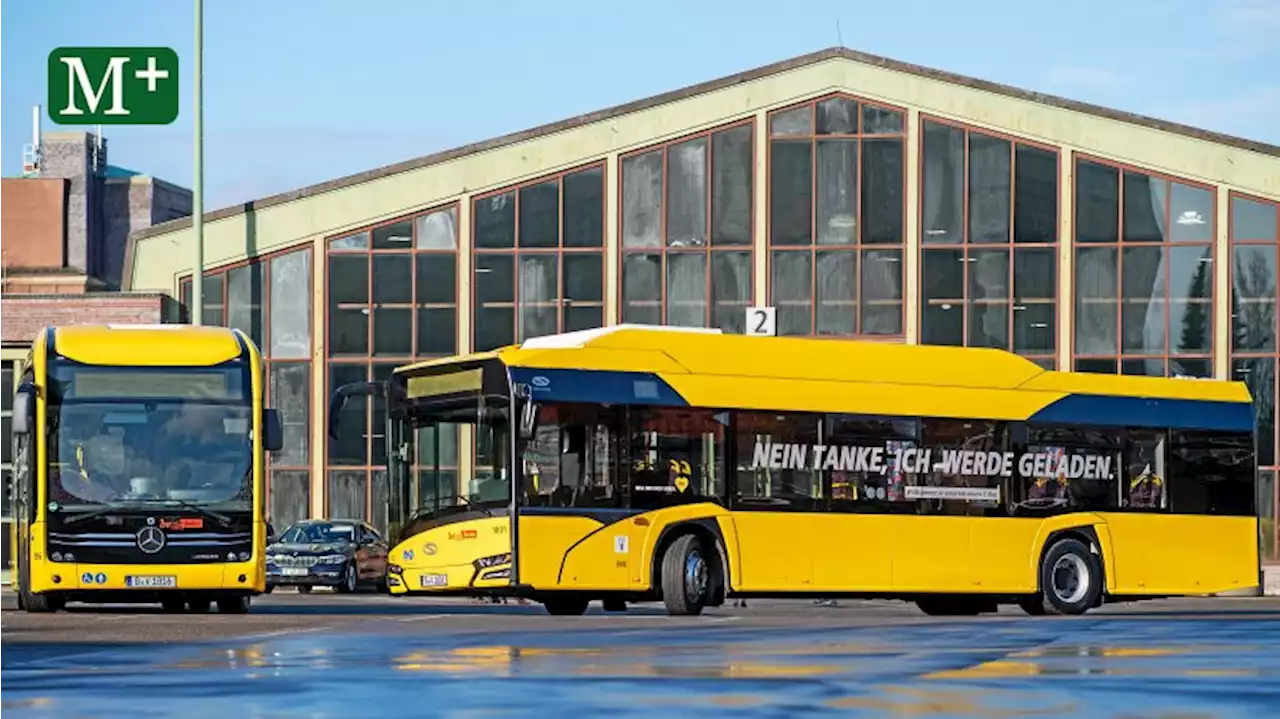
x=857, y=195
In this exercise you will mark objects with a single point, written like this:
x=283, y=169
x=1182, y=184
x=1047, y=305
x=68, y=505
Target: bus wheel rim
x=695, y=575
x=1070, y=578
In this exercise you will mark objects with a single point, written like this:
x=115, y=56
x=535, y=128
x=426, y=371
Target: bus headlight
x=244, y=556
x=494, y=561
x=55, y=556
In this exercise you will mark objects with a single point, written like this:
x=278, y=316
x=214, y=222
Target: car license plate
x=434, y=580
x=151, y=581
x=293, y=572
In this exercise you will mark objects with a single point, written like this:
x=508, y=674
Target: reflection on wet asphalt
x=1114, y=667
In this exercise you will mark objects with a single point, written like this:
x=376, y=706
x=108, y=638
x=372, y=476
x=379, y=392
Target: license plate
x=151, y=581
x=434, y=580
x=293, y=572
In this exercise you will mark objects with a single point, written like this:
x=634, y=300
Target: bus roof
x=148, y=345
x=707, y=368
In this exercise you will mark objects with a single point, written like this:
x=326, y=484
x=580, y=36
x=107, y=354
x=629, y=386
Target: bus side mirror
x=339, y=400
x=272, y=430
x=20, y=423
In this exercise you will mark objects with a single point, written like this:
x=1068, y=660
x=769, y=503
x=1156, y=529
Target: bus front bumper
x=146, y=578
x=447, y=579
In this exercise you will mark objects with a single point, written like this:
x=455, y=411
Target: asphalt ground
x=327, y=655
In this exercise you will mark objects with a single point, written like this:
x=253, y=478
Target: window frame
x=663, y=250
x=860, y=249
x=1273, y=354
x=560, y=251
x=268, y=362
x=1119, y=356
x=967, y=247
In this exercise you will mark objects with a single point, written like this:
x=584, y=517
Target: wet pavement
x=1205, y=658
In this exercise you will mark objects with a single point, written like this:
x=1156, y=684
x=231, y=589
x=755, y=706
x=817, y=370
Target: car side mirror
x=20, y=422
x=272, y=430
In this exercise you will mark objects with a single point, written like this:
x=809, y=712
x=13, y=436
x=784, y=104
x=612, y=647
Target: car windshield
x=107, y=449
x=318, y=534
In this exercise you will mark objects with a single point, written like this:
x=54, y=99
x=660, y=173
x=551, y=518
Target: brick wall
x=26, y=315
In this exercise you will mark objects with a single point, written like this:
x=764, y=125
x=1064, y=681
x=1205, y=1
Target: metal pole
x=197, y=191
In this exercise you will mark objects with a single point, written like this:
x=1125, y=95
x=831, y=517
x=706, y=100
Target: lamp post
x=197, y=192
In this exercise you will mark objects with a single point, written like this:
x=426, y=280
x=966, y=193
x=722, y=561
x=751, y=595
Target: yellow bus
x=139, y=457
x=630, y=464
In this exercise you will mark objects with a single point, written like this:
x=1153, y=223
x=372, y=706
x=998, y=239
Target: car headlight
x=332, y=559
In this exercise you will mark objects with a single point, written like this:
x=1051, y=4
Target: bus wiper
x=222, y=519
x=107, y=508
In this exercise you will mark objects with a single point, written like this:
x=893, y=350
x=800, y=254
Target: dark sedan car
x=339, y=553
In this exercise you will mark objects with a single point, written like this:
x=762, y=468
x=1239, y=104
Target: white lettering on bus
x=878, y=459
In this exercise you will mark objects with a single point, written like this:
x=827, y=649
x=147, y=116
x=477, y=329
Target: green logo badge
x=113, y=85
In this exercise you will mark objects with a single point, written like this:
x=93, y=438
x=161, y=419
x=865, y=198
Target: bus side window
x=1144, y=481
x=1211, y=473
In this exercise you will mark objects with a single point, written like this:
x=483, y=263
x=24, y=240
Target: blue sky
x=301, y=91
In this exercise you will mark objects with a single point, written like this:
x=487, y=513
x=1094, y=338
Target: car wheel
x=304, y=589
x=350, y=579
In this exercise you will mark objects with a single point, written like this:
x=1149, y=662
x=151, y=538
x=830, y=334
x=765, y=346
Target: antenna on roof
x=839, y=35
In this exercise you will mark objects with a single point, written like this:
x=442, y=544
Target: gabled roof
x=711, y=86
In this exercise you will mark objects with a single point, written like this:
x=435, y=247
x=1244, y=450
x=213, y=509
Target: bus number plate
x=434, y=580
x=151, y=581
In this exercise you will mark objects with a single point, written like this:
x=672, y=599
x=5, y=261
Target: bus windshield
x=180, y=436
x=435, y=435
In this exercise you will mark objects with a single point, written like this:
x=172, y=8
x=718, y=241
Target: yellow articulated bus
x=138, y=459
x=630, y=464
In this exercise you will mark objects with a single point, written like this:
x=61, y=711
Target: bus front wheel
x=1070, y=578
x=686, y=576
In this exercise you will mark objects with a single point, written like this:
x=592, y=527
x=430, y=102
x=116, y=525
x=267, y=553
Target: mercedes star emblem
x=150, y=540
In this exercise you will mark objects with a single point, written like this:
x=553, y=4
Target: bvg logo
x=113, y=85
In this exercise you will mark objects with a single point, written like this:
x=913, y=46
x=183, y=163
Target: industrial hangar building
x=857, y=195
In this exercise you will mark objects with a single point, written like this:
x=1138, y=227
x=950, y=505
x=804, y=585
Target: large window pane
x=791, y=193
x=1146, y=207
x=1191, y=210
x=347, y=494
x=733, y=168
x=438, y=230
x=396, y=236
x=245, y=292
x=290, y=498
x=437, y=330
x=881, y=286
x=495, y=221
x=1035, y=207
x=1253, y=220
x=583, y=278
x=437, y=278
x=540, y=215
x=211, y=303
x=837, y=116
x=291, y=305
x=687, y=289
x=882, y=201
x=1259, y=373
x=290, y=395
x=988, y=305
x=642, y=200
x=687, y=194
x=1096, y=283
x=989, y=188
x=730, y=290
x=392, y=331
x=393, y=279
x=943, y=278
x=942, y=195
x=1097, y=189
x=837, y=293
x=642, y=289
x=583, y=219
x=495, y=301
x=837, y=202
x=1143, y=313
x=539, y=296
x=792, y=291
x=348, y=285
x=1253, y=298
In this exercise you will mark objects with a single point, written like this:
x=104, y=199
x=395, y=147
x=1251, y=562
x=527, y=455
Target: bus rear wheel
x=1070, y=578
x=686, y=576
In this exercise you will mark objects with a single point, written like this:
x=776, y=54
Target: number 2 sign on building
x=113, y=85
